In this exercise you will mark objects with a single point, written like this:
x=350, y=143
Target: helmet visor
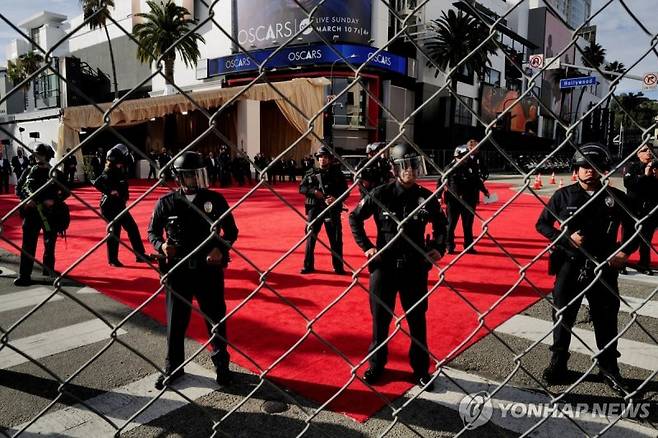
x=192, y=180
x=417, y=164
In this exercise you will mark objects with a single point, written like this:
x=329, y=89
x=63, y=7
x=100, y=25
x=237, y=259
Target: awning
x=306, y=96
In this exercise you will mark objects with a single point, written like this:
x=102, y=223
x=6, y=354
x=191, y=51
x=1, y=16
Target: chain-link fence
x=485, y=31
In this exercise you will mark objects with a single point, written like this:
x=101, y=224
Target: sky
x=622, y=38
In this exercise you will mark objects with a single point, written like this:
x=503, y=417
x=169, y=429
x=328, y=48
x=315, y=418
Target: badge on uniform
x=207, y=206
x=609, y=202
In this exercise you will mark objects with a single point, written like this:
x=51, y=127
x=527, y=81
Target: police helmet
x=43, y=150
x=323, y=151
x=115, y=156
x=404, y=156
x=592, y=154
x=374, y=147
x=191, y=172
x=460, y=151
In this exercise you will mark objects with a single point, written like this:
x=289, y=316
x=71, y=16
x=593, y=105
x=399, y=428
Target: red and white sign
x=650, y=80
x=536, y=61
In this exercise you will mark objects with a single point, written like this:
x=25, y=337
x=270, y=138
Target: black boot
x=611, y=376
x=557, y=371
x=160, y=383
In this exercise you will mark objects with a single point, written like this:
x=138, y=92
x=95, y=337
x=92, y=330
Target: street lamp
x=330, y=118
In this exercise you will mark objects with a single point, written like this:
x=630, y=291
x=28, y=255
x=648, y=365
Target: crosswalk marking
x=649, y=309
x=638, y=354
x=55, y=341
x=26, y=298
x=121, y=403
x=449, y=395
x=634, y=276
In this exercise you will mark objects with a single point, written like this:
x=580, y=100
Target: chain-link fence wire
x=406, y=29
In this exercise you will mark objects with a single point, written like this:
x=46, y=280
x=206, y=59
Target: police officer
x=186, y=216
x=70, y=165
x=44, y=211
x=113, y=184
x=641, y=182
x=377, y=173
x=321, y=187
x=400, y=267
x=465, y=185
x=476, y=159
x=590, y=237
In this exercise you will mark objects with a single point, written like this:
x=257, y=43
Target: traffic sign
x=578, y=82
x=552, y=63
x=649, y=81
x=536, y=61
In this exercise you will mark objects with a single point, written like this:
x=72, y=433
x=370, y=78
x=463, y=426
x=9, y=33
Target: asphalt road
x=108, y=372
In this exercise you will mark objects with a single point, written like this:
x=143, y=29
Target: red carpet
x=265, y=328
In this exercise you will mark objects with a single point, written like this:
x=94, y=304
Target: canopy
x=306, y=96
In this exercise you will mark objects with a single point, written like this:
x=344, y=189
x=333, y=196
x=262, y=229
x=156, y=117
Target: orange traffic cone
x=561, y=183
x=573, y=177
x=552, y=180
x=537, y=184
x=541, y=184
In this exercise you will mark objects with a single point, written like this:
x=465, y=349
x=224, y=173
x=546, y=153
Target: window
x=492, y=77
x=46, y=91
x=462, y=114
x=350, y=108
x=34, y=34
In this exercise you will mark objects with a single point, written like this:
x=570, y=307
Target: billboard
x=557, y=36
x=316, y=54
x=260, y=24
x=523, y=115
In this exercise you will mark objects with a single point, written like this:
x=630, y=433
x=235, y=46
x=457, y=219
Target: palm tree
x=454, y=37
x=24, y=66
x=593, y=57
x=101, y=9
x=162, y=27
x=617, y=67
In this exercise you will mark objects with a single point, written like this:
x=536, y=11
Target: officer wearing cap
x=641, y=182
x=187, y=216
x=321, y=187
x=588, y=238
x=113, y=184
x=44, y=210
x=401, y=267
x=464, y=187
x=377, y=173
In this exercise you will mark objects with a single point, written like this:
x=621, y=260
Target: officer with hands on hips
x=465, y=184
x=321, y=187
x=113, y=184
x=186, y=216
x=400, y=267
x=589, y=238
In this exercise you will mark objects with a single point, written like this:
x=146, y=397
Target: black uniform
x=400, y=267
x=328, y=182
x=465, y=182
x=5, y=173
x=187, y=227
x=643, y=193
x=70, y=165
x=598, y=223
x=116, y=180
x=19, y=164
x=378, y=173
x=40, y=217
x=97, y=164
